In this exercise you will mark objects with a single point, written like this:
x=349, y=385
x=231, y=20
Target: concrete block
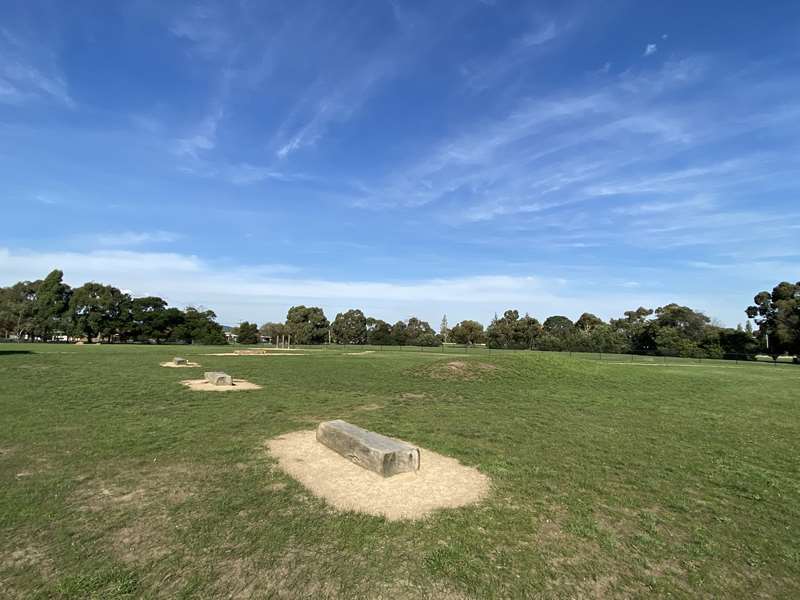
x=383, y=455
x=217, y=378
x=179, y=361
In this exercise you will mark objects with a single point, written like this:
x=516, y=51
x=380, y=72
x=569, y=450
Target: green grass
x=608, y=480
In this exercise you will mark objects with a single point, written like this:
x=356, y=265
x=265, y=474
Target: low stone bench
x=383, y=455
x=218, y=378
x=179, y=361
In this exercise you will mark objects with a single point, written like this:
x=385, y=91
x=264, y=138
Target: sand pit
x=655, y=364
x=441, y=482
x=250, y=353
x=174, y=366
x=360, y=353
x=203, y=385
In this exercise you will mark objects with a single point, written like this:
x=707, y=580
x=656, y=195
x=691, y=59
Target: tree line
x=49, y=309
x=670, y=330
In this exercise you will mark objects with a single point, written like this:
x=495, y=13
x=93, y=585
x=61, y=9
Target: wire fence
x=664, y=357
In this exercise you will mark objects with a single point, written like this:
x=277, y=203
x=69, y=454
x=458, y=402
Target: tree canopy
x=307, y=325
x=777, y=315
x=49, y=308
x=350, y=327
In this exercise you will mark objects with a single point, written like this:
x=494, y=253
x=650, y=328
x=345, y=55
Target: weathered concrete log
x=383, y=455
x=179, y=361
x=217, y=378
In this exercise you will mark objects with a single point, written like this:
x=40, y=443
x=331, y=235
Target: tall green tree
x=17, y=308
x=420, y=333
x=468, y=332
x=350, y=327
x=50, y=304
x=690, y=324
x=200, y=327
x=247, y=333
x=379, y=333
x=588, y=322
x=444, y=329
x=99, y=310
x=558, y=326
x=777, y=315
x=307, y=325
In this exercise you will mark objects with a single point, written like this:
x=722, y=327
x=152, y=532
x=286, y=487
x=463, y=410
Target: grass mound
x=466, y=370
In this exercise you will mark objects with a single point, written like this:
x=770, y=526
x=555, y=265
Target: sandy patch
x=459, y=369
x=360, y=353
x=203, y=385
x=251, y=353
x=441, y=482
x=653, y=364
x=172, y=365
x=411, y=396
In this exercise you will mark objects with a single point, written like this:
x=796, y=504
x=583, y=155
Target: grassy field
x=608, y=479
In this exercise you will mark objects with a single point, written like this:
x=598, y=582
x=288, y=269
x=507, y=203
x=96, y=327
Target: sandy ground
x=174, y=366
x=360, y=353
x=249, y=353
x=203, y=385
x=441, y=482
x=654, y=364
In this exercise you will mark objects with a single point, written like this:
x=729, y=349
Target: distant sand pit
x=655, y=364
x=441, y=482
x=172, y=365
x=203, y=385
x=360, y=353
x=252, y=353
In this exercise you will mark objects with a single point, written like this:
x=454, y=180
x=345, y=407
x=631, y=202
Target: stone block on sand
x=179, y=361
x=217, y=378
x=383, y=455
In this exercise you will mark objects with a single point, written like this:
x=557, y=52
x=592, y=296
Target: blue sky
x=408, y=158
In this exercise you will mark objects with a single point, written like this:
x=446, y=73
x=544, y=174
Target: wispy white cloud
x=28, y=73
x=203, y=27
x=261, y=293
x=539, y=36
x=650, y=49
x=135, y=238
x=202, y=138
x=332, y=100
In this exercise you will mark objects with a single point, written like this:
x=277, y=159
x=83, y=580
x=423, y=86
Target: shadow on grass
x=4, y=352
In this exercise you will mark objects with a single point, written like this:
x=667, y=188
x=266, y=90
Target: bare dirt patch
x=441, y=482
x=172, y=365
x=172, y=484
x=363, y=353
x=654, y=364
x=369, y=407
x=26, y=557
x=142, y=541
x=459, y=369
x=203, y=385
x=412, y=396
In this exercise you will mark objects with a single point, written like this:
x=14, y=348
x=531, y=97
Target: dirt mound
x=441, y=482
x=203, y=385
x=172, y=365
x=459, y=369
